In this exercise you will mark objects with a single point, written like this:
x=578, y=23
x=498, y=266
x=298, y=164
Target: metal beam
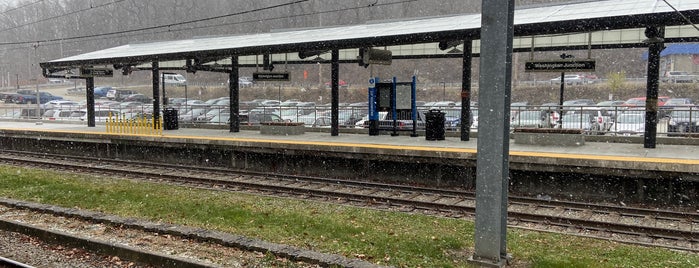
x=656, y=45
x=492, y=167
x=466, y=90
x=156, y=95
x=335, y=93
x=90, y=97
x=234, y=94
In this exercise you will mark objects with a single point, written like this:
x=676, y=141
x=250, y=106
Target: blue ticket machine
x=373, y=112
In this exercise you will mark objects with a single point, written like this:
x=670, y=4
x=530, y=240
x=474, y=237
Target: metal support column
x=560, y=100
x=466, y=91
x=156, y=95
x=335, y=93
x=655, y=46
x=234, y=94
x=492, y=168
x=90, y=97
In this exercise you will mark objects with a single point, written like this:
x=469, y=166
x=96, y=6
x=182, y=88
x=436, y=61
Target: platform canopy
x=581, y=24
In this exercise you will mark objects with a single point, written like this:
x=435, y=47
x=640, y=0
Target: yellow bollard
x=144, y=125
x=151, y=124
x=109, y=122
x=140, y=123
x=121, y=123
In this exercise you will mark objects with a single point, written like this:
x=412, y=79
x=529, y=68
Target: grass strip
x=384, y=237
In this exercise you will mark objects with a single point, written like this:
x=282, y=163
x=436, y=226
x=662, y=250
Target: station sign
x=560, y=66
x=97, y=72
x=267, y=76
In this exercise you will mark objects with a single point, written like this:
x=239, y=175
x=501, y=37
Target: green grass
x=388, y=238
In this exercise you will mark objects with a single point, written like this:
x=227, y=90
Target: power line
x=682, y=15
x=154, y=27
x=62, y=15
x=206, y=26
x=21, y=7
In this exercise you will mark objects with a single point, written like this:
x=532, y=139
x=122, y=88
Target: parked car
x=610, y=103
x=190, y=115
x=600, y=119
x=578, y=104
x=591, y=121
x=118, y=94
x=677, y=102
x=175, y=79
x=75, y=91
x=222, y=118
x=452, y=119
x=100, y=115
x=534, y=119
x=57, y=114
x=570, y=79
x=61, y=104
x=641, y=101
x=210, y=115
x=245, y=81
x=441, y=105
x=629, y=124
x=26, y=96
x=684, y=120
x=679, y=77
x=176, y=101
x=576, y=121
x=101, y=92
x=403, y=121
x=474, y=114
x=138, y=98
x=322, y=122
x=257, y=118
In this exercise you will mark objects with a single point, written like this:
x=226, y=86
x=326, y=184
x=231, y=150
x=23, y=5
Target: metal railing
x=677, y=121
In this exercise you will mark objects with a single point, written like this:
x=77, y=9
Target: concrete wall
x=558, y=178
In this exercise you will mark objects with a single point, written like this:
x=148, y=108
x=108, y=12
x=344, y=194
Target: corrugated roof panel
x=425, y=27
x=680, y=49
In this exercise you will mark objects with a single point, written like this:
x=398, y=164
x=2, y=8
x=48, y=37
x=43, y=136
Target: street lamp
x=560, y=101
x=444, y=90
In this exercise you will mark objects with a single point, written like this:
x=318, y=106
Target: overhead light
x=374, y=56
x=306, y=54
x=444, y=45
x=455, y=50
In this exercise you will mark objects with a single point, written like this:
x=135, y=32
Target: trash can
x=434, y=125
x=170, y=119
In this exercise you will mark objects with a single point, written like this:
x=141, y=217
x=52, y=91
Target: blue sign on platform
x=373, y=109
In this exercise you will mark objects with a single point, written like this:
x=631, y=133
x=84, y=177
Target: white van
x=177, y=79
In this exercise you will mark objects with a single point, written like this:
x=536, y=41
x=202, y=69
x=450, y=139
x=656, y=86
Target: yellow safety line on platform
x=406, y=147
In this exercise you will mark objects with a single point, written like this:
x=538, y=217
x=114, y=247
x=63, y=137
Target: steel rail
x=378, y=194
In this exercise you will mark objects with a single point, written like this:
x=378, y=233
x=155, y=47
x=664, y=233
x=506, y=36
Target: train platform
x=634, y=152
x=404, y=158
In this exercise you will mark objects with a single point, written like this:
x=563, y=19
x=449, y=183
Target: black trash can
x=170, y=119
x=434, y=125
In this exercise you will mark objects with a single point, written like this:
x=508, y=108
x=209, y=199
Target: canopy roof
x=680, y=49
x=575, y=17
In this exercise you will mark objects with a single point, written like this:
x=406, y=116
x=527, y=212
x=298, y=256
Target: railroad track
x=664, y=228
x=9, y=263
